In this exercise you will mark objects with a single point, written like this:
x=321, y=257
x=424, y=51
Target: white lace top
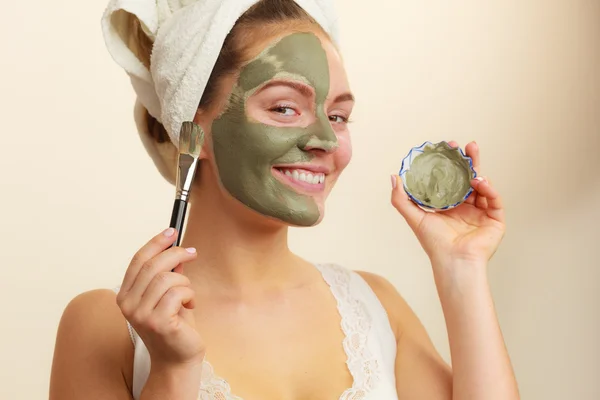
x=369, y=343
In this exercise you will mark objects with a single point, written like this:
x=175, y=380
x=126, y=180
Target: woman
x=239, y=304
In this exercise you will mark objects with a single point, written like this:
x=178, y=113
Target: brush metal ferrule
x=185, y=175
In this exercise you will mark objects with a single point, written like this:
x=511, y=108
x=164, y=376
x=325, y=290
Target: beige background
x=79, y=195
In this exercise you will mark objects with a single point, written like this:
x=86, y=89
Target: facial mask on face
x=246, y=150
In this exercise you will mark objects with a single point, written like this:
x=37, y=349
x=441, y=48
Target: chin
x=318, y=221
x=321, y=214
x=281, y=214
x=302, y=221
x=297, y=219
x=293, y=218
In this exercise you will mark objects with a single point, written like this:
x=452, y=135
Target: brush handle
x=177, y=218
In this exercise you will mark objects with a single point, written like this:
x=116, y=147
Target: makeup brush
x=191, y=139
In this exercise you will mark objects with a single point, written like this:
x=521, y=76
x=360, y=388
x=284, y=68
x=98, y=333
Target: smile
x=300, y=178
x=303, y=175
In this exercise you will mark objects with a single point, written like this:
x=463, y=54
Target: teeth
x=302, y=176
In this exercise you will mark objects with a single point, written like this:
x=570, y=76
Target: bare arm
x=459, y=243
x=93, y=355
x=481, y=365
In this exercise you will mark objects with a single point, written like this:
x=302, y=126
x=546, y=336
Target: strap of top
x=370, y=341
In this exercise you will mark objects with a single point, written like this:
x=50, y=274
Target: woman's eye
x=285, y=111
x=338, y=119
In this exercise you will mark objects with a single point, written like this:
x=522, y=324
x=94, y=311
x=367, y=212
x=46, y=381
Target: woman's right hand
x=157, y=300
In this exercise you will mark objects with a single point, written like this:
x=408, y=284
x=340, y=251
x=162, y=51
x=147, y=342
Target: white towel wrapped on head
x=188, y=36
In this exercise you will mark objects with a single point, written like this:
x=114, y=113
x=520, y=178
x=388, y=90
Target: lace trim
x=213, y=387
x=356, y=324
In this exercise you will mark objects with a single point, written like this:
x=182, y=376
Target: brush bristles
x=191, y=139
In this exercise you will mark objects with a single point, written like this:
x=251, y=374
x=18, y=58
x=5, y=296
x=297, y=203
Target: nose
x=320, y=136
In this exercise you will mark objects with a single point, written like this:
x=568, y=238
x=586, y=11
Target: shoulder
x=379, y=284
x=399, y=312
x=93, y=314
x=98, y=301
x=92, y=339
x=94, y=321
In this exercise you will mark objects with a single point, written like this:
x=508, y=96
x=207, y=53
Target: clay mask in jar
x=437, y=176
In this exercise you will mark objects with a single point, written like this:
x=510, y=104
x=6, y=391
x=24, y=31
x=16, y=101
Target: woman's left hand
x=469, y=233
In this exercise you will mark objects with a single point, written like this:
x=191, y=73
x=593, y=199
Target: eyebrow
x=305, y=90
x=300, y=87
x=344, y=97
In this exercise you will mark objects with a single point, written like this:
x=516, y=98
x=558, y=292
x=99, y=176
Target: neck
x=238, y=250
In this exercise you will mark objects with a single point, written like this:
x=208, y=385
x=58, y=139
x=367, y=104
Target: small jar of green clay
x=437, y=177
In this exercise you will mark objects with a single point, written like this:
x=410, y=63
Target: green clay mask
x=246, y=150
x=439, y=177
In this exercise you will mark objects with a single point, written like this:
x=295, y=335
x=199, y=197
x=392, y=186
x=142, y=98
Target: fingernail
x=191, y=250
x=169, y=232
x=394, y=182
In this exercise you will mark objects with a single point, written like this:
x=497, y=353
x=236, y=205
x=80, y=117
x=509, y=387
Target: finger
x=472, y=150
x=156, y=245
x=495, y=208
x=472, y=198
x=157, y=288
x=174, y=300
x=481, y=202
x=452, y=144
x=178, y=269
x=163, y=262
x=405, y=206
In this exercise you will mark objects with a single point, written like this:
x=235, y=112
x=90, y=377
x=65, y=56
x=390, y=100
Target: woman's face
x=283, y=140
